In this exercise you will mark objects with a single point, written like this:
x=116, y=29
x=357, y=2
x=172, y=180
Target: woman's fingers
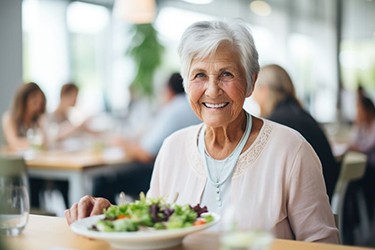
x=71, y=214
x=87, y=206
x=99, y=205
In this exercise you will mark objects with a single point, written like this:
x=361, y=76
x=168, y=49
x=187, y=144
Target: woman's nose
x=213, y=88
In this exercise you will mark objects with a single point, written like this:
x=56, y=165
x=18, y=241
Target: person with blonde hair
x=277, y=99
x=273, y=86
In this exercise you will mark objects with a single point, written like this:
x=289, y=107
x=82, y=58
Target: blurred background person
x=25, y=117
x=63, y=134
x=60, y=121
x=174, y=114
x=363, y=140
x=23, y=126
x=363, y=133
x=276, y=96
x=68, y=99
x=135, y=177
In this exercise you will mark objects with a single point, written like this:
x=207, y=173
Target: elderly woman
x=269, y=172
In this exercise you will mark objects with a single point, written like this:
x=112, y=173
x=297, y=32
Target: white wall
x=10, y=52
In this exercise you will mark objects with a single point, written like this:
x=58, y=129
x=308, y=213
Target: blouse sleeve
x=309, y=211
x=154, y=190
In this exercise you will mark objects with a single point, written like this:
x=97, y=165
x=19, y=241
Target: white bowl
x=153, y=239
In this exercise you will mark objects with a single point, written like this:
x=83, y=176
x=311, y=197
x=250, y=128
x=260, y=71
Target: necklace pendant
x=218, y=198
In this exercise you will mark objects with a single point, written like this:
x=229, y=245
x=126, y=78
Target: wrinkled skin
x=87, y=206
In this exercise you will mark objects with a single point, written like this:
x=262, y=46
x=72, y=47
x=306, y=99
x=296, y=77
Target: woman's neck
x=221, y=141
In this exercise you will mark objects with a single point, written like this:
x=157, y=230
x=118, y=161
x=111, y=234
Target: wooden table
x=79, y=168
x=43, y=232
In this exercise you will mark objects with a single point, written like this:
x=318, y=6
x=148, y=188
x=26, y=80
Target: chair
x=353, y=167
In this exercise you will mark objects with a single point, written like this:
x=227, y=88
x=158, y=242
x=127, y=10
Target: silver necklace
x=232, y=158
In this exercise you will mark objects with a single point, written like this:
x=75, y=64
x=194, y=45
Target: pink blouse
x=277, y=183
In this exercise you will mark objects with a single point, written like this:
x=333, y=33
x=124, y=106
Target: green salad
x=151, y=214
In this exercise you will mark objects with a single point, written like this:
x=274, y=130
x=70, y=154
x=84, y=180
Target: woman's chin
x=215, y=122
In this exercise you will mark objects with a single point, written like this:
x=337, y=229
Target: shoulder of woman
x=284, y=132
x=183, y=138
x=182, y=134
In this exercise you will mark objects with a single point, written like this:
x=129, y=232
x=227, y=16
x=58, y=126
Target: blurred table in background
x=79, y=168
x=339, y=149
x=338, y=135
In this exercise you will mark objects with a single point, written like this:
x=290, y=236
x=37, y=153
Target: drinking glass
x=35, y=138
x=14, y=209
x=14, y=195
x=234, y=238
x=246, y=240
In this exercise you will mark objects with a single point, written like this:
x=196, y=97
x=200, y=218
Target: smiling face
x=217, y=87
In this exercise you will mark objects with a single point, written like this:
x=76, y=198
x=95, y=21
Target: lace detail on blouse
x=252, y=153
x=196, y=160
x=198, y=165
x=245, y=160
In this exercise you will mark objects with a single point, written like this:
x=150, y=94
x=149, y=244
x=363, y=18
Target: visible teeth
x=216, y=106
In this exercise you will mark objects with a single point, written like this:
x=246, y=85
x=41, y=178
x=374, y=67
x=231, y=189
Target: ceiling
x=356, y=13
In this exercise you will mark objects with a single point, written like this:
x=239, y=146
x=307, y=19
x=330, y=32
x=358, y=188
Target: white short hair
x=203, y=38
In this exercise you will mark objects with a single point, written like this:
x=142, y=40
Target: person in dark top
x=275, y=94
x=363, y=140
x=135, y=177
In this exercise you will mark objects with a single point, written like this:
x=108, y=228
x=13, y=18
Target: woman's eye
x=227, y=75
x=199, y=75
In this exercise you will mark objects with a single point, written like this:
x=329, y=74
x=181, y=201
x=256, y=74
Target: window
x=64, y=42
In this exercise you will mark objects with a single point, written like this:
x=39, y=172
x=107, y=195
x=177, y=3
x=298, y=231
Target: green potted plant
x=146, y=51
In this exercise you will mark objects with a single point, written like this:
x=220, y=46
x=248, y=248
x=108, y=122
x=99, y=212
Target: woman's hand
x=87, y=206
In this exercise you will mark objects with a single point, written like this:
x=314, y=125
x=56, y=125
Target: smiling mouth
x=215, y=105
